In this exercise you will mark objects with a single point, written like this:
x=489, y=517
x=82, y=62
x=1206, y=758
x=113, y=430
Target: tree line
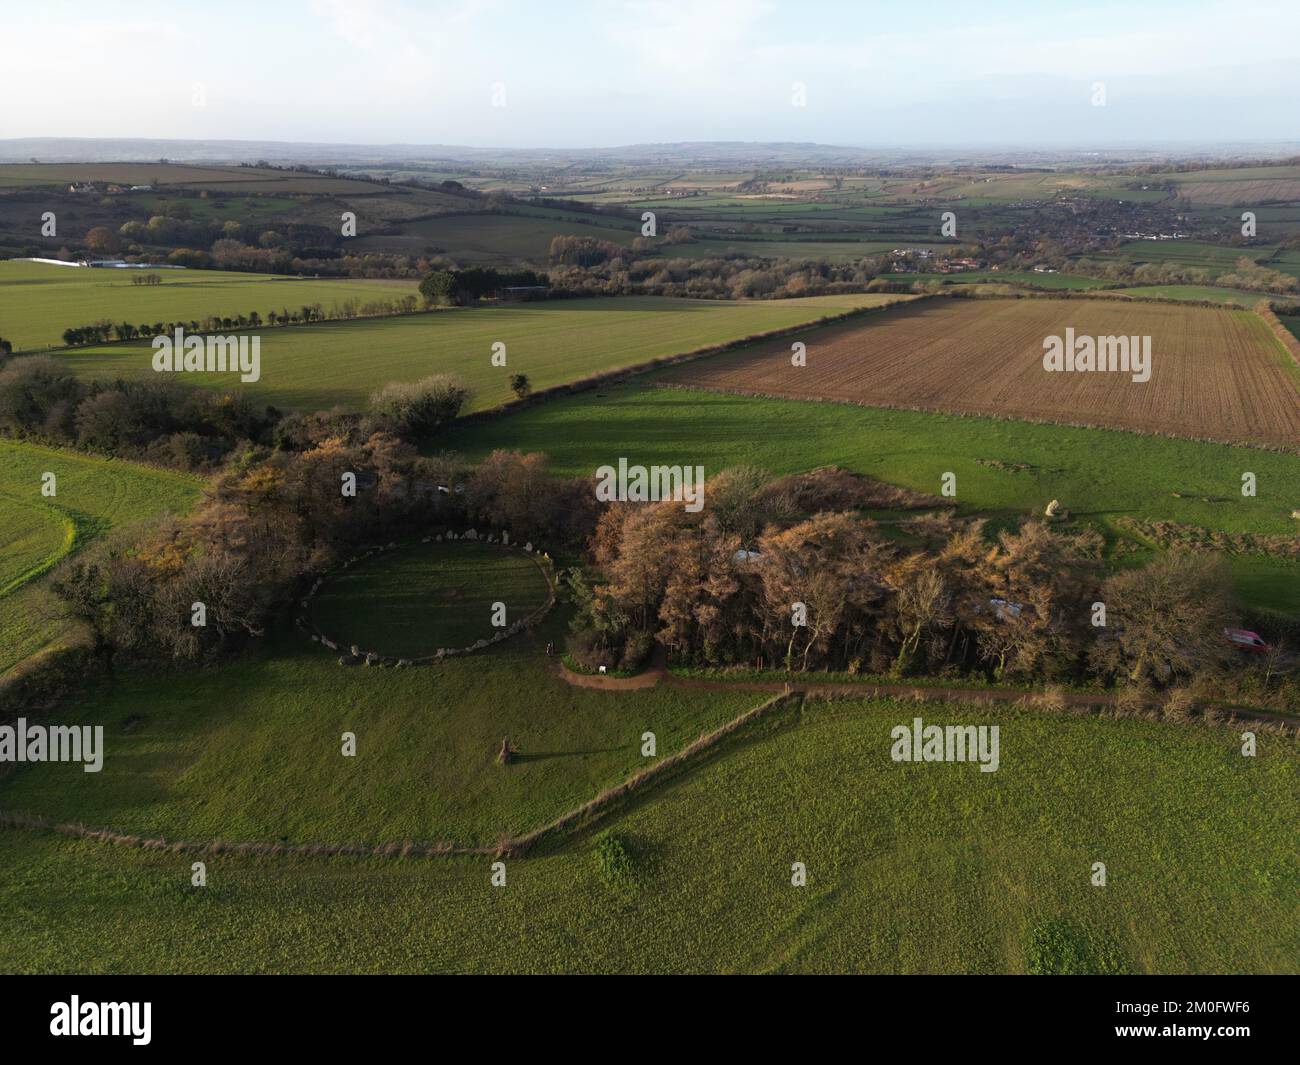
x=457, y=288
x=754, y=581
x=195, y=429
x=105, y=330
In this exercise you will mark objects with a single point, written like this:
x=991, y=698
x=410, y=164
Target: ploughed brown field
x=1215, y=374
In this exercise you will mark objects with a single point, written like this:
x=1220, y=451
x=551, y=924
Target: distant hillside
x=73, y=149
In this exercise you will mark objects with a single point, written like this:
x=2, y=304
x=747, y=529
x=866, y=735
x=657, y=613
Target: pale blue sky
x=598, y=73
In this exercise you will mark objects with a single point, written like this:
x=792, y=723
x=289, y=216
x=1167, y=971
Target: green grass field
x=36, y=536
x=251, y=751
x=1189, y=253
x=1012, y=277
x=15, y=175
x=911, y=868
x=92, y=496
x=493, y=239
x=237, y=179
x=412, y=600
x=315, y=367
x=1239, y=296
x=38, y=301
x=1098, y=474
x=831, y=250
x=1286, y=261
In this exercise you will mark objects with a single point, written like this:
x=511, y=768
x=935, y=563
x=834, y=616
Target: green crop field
x=92, y=495
x=1099, y=475
x=911, y=868
x=38, y=301
x=315, y=367
x=410, y=601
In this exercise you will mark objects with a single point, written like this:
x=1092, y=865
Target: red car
x=1245, y=640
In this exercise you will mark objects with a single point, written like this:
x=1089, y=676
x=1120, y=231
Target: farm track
x=659, y=673
x=1215, y=374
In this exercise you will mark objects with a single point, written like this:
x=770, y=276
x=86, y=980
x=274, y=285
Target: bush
x=635, y=650
x=439, y=289
x=613, y=859
x=31, y=389
x=1062, y=948
x=588, y=650
x=419, y=410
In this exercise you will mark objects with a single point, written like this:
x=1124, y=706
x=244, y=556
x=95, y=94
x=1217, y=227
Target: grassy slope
x=93, y=495
x=417, y=598
x=921, y=868
x=38, y=302
x=252, y=751
x=1099, y=475
x=315, y=367
x=34, y=536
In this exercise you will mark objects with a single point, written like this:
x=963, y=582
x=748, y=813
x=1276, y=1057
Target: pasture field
x=1003, y=467
x=38, y=301
x=219, y=179
x=911, y=868
x=412, y=600
x=830, y=250
x=1190, y=253
x=18, y=175
x=35, y=537
x=251, y=751
x=1216, y=374
x=1011, y=277
x=1288, y=262
x=484, y=238
x=1239, y=297
x=93, y=495
x=246, y=209
x=1078, y=282
x=554, y=342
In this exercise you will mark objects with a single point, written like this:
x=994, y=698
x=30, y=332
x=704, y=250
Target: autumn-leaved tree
x=1165, y=620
